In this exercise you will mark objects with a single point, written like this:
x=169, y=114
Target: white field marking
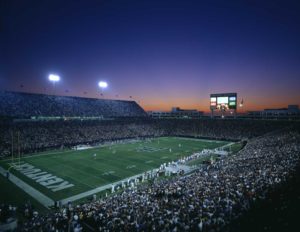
x=227, y=145
x=77, y=180
x=130, y=166
x=112, y=166
x=149, y=161
x=40, y=197
x=78, y=170
x=42, y=154
x=164, y=157
x=203, y=140
x=100, y=171
x=83, y=182
x=45, y=179
x=87, y=178
x=68, y=151
x=108, y=173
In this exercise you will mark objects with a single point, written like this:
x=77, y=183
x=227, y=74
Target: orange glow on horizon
x=248, y=106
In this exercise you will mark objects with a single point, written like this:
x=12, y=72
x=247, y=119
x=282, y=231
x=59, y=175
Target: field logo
x=108, y=173
x=130, y=166
x=43, y=178
x=150, y=149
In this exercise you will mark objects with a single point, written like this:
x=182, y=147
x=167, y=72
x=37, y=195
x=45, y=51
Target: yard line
x=77, y=170
x=112, y=166
x=128, y=160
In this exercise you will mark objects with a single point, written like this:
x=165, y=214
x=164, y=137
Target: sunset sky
x=163, y=53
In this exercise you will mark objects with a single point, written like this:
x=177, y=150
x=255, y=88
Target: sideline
x=40, y=197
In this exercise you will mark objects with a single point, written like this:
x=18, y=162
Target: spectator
x=203, y=201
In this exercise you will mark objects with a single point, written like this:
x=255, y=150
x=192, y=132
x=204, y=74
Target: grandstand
x=125, y=159
x=29, y=105
x=38, y=136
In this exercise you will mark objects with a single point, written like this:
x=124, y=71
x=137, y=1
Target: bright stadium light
x=54, y=78
x=102, y=84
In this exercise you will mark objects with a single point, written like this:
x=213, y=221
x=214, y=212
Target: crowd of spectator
x=27, y=105
x=206, y=200
x=7, y=211
x=229, y=129
x=34, y=136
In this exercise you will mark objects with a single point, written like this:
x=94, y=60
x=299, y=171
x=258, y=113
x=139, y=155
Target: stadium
x=109, y=166
x=149, y=115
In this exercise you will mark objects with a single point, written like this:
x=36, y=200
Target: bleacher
x=28, y=105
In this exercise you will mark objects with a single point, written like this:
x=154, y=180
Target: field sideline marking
x=42, y=154
x=40, y=197
x=203, y=140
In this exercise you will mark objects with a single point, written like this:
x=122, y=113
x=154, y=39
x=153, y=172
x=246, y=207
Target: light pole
x=54, y=78
x=102, y=85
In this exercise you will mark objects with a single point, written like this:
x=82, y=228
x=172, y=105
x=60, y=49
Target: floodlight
x=103, y=84
x=54, y=78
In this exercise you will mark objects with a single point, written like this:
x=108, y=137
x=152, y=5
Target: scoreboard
x=223, y=101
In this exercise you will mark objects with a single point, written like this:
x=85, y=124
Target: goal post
x=15, y=158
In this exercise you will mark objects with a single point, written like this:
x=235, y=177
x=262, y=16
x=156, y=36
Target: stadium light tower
x=54, y=78
x=102, y=85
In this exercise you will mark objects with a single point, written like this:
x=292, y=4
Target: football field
x=62, y=174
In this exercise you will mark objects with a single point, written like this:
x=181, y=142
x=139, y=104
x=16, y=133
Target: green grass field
x=112, y=162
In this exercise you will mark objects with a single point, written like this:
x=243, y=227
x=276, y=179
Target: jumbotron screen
x=223, y=101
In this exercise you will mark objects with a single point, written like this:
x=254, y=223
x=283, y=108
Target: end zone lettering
x=43, y=178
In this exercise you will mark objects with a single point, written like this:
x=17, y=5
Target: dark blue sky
x=163, y=53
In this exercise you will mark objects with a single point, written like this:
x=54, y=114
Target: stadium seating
x=27, y=105
x=40, y=135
